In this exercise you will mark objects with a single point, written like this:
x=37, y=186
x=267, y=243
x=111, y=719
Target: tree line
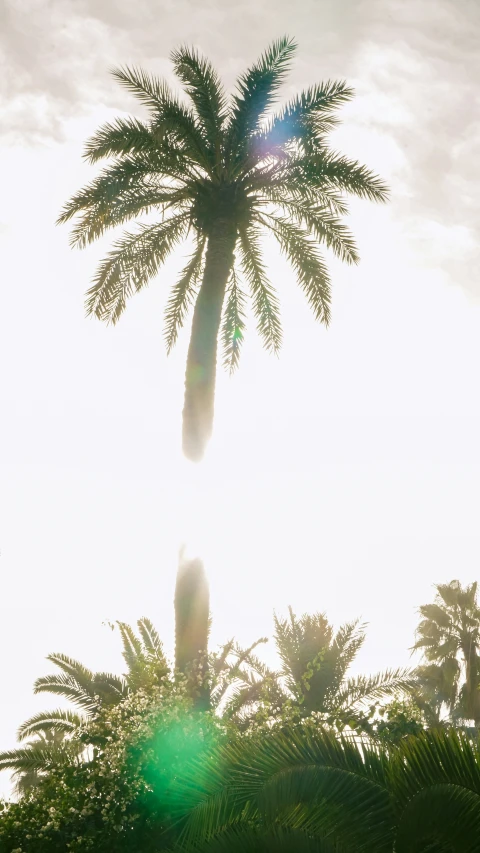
x=218, y=751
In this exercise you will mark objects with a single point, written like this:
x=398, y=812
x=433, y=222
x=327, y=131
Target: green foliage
x=337, y=793
x=448, y=635
x=315, y=661
x=118, y=797
x=305, y=759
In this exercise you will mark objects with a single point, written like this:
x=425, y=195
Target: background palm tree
x=49, y=748
x=55, y=736
x=223, y=171
x=315, y=662
x=449, y=637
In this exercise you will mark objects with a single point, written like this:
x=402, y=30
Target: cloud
x=414, y=65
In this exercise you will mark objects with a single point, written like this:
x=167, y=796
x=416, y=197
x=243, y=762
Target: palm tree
x=315, y=662
x=449, y=637
x=49, y=748
x=309, y=791
x=231, y=679
x=56, y=735
x=223, y=171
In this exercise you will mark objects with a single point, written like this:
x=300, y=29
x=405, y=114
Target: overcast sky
x=343, y=476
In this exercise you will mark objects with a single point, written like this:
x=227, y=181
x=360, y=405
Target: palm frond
x=436, y=782
x=363, y=688
x=325, y=168
x=257, y=90
x=270, y=780
x=321, y=223
x=124, y=136
x=82, y=675
x=122, y=177
x=310, y=268
x=62, y=721
x=182, y=295
x=109, y=687
x=280, y=182
x=132, y=647
x=135, y=259
x=205, y=89
x=171, y=118
x=310, y=112
x=233, y=324
x=151, y=638
x=250, y=839
x=265, y=302
x=38, y=757
x=65, y=685
x=108, y=214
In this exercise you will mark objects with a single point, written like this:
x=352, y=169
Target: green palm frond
x=125, y=176
x=444, y=818
x=133, y=652
x=125, y=136
x=233, y=325
x=311, y=111
x=249, y=839
x=321, y=224
x=171, y=117
x=325, y=168
x=38, y=757
x=309, y=266
x=135, y=259
x=62, y=721
x=182, y=295
x=152, y=92
x=436, y=782
x=151, y=638
x=82, y=675
x=265, y=302
x=97, y=219
x=65, y=685
x=312, y=783
x=205, y=89
x=346, y=644
x=109, y=687
x=257, y=90
x=370, y=688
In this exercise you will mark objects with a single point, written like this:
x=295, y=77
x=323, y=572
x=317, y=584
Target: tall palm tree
x=315, y=663
x=449, y=637
x=192, y=626
x=224, y=171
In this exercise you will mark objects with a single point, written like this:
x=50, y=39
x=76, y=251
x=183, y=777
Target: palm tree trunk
x=202, y=352
x=192, y=626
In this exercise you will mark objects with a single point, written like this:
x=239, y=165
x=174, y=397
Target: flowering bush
x=120, y=797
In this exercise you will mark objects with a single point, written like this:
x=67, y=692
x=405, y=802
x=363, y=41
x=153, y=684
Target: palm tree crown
x=222, y=170
x=315, y=663
x=449, y=637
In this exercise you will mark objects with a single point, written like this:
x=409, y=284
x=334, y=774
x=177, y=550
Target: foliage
x=53, y=733
x=449, y=637
x=325, y=792
x=313, y=678
x=120, y=797
x=397, y=720
x=224, y=172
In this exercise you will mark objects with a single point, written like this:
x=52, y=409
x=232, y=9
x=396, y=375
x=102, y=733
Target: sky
x=343, y=476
